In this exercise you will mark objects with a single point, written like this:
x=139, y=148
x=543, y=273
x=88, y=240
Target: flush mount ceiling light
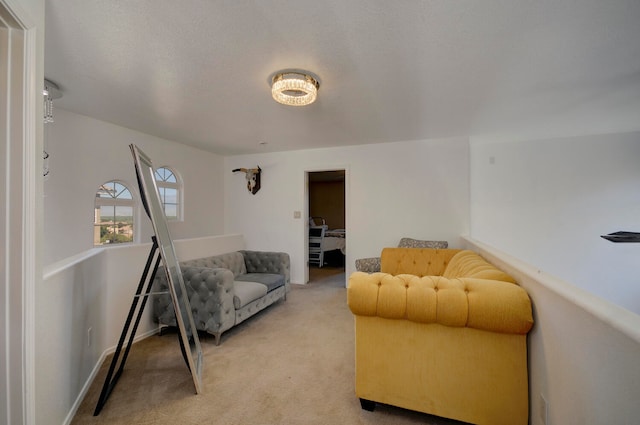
x=294, y=88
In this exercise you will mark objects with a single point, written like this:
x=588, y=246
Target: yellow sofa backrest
x=416, y=261
x=449, y=263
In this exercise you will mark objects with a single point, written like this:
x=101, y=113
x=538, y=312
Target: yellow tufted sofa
x=444, y=332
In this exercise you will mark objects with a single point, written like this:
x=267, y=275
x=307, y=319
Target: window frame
x=177, y=186
x=115, y=202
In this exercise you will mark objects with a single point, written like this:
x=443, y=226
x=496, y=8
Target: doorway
x=327, y=222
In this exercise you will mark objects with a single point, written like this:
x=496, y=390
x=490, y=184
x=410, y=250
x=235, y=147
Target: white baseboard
x=94, y=372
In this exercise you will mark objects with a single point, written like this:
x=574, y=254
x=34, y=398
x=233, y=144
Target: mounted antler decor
x=253, y=178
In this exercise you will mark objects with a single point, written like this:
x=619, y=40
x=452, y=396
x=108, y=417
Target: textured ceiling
x=198, y=72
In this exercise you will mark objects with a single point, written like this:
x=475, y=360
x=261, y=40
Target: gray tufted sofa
x=226, y=289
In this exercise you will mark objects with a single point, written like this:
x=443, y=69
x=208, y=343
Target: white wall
x=545, y=202
x=85, y=153
x=86, y=287
x=583, y=350
x=548, y=201
x=70, y=300
x=416, y=189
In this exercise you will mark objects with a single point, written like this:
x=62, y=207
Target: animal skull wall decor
x=253, y=178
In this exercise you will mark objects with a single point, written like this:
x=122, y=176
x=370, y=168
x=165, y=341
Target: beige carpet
x=293, y=363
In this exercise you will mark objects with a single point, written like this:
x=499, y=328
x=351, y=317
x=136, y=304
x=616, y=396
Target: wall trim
x=62, y=265
x=21, y=177
x=611, y=314
x=94, y=373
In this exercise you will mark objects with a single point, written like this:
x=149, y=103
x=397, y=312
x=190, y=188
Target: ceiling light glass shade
x=294, y=88
x=50, y=91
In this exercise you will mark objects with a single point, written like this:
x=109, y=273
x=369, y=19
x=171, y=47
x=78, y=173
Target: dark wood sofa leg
x=367, y=405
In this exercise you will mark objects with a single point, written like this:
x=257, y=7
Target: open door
x=326, y=198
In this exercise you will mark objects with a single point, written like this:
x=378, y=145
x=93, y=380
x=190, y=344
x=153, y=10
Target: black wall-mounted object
x=622, y=236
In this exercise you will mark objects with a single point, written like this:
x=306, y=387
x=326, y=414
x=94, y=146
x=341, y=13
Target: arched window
x=170, y=190
x=113, y=221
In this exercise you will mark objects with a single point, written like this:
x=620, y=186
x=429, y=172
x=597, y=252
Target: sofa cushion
x=233, y=261
x=417, y=261
x=372, y=265
x=489, y=305
x=270, y=280
x=246, y=292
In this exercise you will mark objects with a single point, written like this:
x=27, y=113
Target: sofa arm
x=465, y=302
x=210, y=297
x=368, y=265
x=268, y=262
x=470, y=264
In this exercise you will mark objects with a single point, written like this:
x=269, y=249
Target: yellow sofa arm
x=483, y=304
x=469, y=264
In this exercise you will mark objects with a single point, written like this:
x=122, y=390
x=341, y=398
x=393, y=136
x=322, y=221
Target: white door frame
x=18, y=188
x=347, y=195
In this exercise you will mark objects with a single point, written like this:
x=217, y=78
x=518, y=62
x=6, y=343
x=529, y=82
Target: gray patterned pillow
x=368, y=265
x=416, y=243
